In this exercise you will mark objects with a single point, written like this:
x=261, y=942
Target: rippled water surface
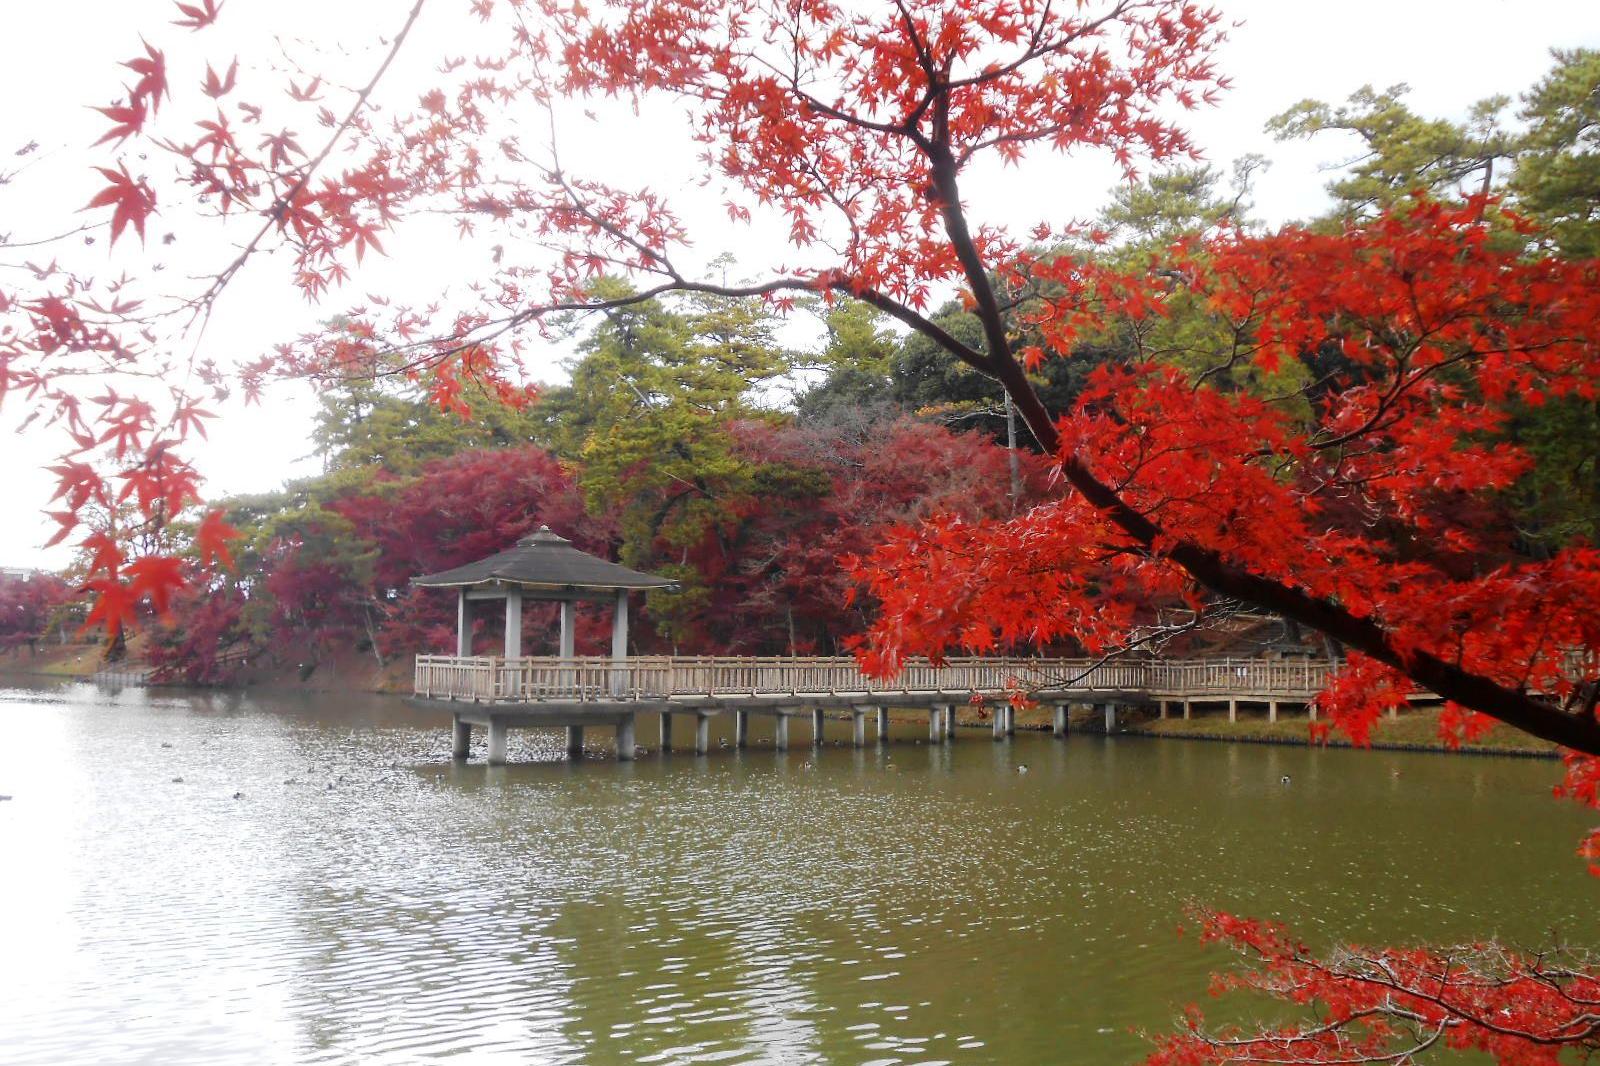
x=363, y=899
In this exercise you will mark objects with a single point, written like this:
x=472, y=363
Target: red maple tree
x=1360, y=501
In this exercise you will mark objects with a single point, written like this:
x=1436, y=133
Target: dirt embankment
x=346, y=672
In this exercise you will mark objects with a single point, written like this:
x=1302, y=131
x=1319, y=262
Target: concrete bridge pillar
x=1111, y=717
x=702, y=732
x=1311, y=711
x=949, y=721
x=780, y=734
x=1059, y=725
x=1272, y=710
x=1186, y=710
x=1011, y=720
x=575, y=741
x=666, y=731
x=497, y=741
x=1233, y=709
x=883, y=725
x=816, y=727
x=741, y=729
x=1161, y=708
x=625, y=744
x=935, y=724
x=858, y=728
x=460, y=738
x=999, y=723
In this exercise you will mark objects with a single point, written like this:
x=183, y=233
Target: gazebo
x=543, y=566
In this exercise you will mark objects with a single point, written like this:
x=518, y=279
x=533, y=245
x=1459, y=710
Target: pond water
x=365, y=900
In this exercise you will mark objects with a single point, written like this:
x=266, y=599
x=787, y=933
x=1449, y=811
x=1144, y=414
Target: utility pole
x=1011, y=452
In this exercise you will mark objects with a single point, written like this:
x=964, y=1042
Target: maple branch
x=274, y=213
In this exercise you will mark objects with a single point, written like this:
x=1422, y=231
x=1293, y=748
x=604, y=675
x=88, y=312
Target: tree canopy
x=1378, y=425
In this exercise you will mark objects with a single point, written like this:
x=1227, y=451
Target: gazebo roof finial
x=543, y=535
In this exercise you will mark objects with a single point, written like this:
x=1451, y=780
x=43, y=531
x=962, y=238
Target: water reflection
x=368, y=898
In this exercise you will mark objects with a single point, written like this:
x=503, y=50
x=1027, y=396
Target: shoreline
x=366, y=680
x=1377, y=745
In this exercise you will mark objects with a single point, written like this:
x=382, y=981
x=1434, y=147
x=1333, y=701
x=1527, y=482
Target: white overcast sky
x=59, y=57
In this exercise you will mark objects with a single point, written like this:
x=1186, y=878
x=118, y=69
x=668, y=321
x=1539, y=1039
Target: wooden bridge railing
x=533, y=679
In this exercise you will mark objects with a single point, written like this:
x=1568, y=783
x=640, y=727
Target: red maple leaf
x=216, y=87
x=113, y=606
x=198, y=16
x=156, y=577
x=152, y=84
x=133, y=201
x=212, y=537
x=127, y=119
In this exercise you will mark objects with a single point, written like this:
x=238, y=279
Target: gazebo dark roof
x=544, y=560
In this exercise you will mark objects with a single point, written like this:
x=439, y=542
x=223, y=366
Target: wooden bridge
x=578, y=692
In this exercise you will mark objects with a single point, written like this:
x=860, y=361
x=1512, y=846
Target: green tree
x=650, y=420
x=1557, y=176
x=368, y=424
x=1402, y=152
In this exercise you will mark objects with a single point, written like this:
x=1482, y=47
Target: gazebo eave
x=499, y=590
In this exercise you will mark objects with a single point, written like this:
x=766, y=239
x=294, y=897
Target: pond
x=216, y=877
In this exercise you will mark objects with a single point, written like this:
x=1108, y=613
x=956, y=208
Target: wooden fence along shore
x=500, y=692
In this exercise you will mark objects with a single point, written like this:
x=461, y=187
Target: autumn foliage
x=1326, y=423
x=1395, y=1004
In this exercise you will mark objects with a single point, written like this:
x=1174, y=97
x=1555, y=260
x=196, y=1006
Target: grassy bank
x=1413, y=730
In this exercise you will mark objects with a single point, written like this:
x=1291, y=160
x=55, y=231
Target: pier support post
x=625, y=743
x=702, y=732
x=497, y=741
x=1111, y=717
x=1394, y=712
x=950, y=721
x=816, y=727
x=1161, y=708
x=935, y=724
x=666, y=730
x=999, y=723
x=1272, y=710
x=1186, y=710
x=575, y=741
x=741, y=729
x=1011, y=720
x=883, y=725
x=1311, y=711
x=460, y=738
x=1233, y=710
x=858, y=728
x=1059, y=725
x=780, y=733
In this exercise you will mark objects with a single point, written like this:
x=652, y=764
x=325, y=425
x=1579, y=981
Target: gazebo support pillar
x=569, y=629
x=463, y=624
x=514, y=622
x=619, y=645
x=460, y=738
x=497, y=741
